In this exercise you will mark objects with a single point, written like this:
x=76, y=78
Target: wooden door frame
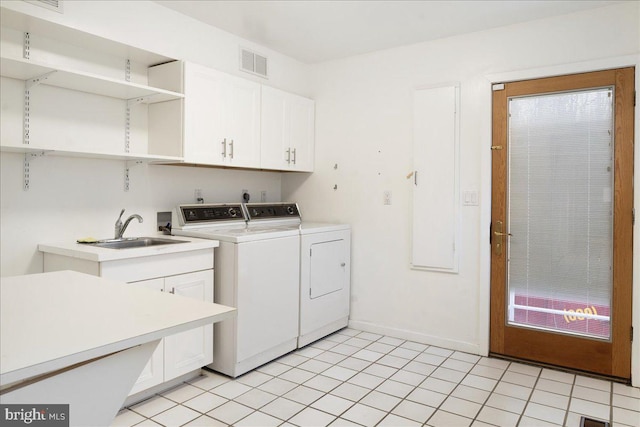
x=623, y=269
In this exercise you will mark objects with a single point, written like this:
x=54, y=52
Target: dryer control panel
x=265, y=211
x=211, y=213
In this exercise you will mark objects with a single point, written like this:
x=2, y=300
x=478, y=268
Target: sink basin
x=137, y=242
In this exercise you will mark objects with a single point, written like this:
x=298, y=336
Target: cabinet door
x=205, y=115
x=274, y=132
x=302, y=131
x=287, y=131
x=153, y=372
x=191, y=349
x=242, y=107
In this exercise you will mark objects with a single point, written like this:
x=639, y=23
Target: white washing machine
x=257, y=270
x=325, y=279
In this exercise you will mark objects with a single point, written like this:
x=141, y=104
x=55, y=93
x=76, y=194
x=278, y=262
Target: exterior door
x=562, y=221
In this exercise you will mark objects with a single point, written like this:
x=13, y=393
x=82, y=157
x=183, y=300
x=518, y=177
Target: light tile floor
x=354, y=378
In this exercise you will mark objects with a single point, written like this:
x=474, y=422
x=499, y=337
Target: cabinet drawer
x=136, y=269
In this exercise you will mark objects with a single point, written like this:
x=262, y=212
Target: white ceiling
x=315, y=31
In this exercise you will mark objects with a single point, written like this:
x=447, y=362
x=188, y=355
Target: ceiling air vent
x=253, y=63
x=49, y=4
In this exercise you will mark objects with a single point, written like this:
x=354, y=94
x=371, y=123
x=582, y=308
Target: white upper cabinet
x=287, y=133
x=218, y=123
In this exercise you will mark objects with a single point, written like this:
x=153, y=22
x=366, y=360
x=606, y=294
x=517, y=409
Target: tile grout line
x=529, y=399
x=490, y=393
x=611, y=403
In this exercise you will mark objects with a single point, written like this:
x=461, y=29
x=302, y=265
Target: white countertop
x=93, y=253
x=50, y=321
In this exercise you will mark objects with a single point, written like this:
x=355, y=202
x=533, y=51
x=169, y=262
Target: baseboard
x=417, y=337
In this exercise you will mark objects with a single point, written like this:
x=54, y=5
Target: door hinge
x=631, y=337
x=633, y=216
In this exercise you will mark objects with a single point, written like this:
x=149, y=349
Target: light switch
x=470, y=198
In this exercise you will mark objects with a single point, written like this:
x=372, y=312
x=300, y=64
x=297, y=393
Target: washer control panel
x=211, y=213
x=260, y=211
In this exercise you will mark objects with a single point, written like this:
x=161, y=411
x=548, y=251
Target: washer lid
x=239, y=235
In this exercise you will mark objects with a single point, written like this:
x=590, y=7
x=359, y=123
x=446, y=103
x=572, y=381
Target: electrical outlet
x=197, y=194
x=387, y=197
x=263, y=196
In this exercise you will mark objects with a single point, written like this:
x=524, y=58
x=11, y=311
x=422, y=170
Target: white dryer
x=256, y=270
x=325, y=279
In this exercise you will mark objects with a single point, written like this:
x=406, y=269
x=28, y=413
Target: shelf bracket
x=26, y=169
x=127, y=166
x=26, y=113
x=127, y=120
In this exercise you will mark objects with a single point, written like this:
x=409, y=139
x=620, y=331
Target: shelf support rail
x=127, y=70
x=127, y=166
x=127, y=119
x=26, y=46
x=28, y=84
x=26, y=169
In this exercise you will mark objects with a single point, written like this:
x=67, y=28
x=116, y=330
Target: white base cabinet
x=189, y=274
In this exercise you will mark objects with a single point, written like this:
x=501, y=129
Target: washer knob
x=290, y=210
x=232, y=212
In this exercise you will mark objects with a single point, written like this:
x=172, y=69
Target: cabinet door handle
x=294, y=156
x=343, y=264
x=224, y=148
x=288, y=156
x=231, y=149
x=172, y=291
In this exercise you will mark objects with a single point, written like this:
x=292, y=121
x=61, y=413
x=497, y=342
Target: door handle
x=293, y=152
x=224, y=148
x=498, y=244
x=288, y=156
x=231, y=148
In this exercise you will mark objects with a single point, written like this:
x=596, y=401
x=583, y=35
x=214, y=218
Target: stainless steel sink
x=136, y=242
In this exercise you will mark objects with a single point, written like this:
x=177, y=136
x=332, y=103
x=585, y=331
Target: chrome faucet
x=119, y=227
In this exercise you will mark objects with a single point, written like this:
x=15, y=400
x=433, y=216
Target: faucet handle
x=118, y=226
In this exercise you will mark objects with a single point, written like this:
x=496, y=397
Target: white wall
x=363, y=125
x=71, y=198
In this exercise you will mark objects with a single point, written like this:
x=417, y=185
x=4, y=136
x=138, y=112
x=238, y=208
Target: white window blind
x=561, y=211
